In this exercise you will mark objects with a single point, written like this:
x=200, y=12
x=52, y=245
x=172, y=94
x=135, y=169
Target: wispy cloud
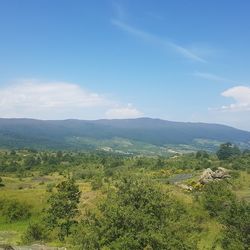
x=216, y=78
x=58, y=100
x=186, y=52
x=146, y=36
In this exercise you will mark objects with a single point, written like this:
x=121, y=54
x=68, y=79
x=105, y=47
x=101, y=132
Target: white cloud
x=183, y=51
x=52, y=100
x=123, y=112
x=236, y=113
x=241, y=95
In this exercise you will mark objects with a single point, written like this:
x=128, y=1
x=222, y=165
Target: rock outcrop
x=209, y=175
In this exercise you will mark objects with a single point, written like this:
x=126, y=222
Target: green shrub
x=237, y=226
x=35, y=232
x=14, y=210
x=137, y=215
x=217, y=197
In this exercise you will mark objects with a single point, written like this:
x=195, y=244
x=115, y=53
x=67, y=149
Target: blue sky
x=177, y=59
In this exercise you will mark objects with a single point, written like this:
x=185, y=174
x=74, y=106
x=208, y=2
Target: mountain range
x=125, y=135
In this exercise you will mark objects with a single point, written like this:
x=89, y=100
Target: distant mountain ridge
x=79, y=134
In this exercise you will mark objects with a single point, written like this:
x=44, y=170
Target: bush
x=35, y=232
x=217, y=198
x=237, y=227
x=14, y=210
x=137, y=215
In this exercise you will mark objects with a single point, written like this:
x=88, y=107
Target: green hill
x=127, y=135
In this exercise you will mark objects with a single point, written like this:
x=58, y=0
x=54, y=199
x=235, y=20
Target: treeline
x=52, y=161
x=22, y=161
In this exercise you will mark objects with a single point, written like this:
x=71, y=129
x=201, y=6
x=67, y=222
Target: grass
x=242, y=186
x=25, y=190
x=212, y=229
x=32, y=190
x=209, y=238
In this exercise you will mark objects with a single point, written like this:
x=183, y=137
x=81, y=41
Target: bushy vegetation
x=216, y=198
x=234, y=215
x=113, y=201
x=12, y=210
x=137, y=215
x=237, y=226
x=35, y=232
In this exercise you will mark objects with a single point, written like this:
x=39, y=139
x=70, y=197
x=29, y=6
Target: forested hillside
x=131, y=135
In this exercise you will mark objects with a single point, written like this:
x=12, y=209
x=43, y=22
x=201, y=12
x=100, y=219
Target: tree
x=137, y=215
x=63, y=207
x=227, y=150
x=201, y=154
